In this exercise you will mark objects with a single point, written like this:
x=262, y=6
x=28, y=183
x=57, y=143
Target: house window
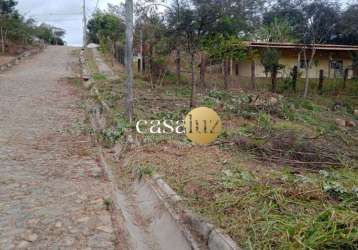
x=337, y=65
x=303, y=65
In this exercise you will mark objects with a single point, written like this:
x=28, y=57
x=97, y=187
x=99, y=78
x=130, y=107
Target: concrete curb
x=215, y=238
x=189, y=222
x=19, y=58
x=85, y=72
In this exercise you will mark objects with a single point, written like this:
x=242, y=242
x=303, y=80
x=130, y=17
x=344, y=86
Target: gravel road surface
x=52, y=191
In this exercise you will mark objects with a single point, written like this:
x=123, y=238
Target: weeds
x=308, y=200
x=112, y=134
x=143, y=171
x=108, y=203
x=99, y=77
x=264, y=123
x=280, y=210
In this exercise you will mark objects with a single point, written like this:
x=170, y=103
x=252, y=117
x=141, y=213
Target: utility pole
x=84, y=25
x=129, y=58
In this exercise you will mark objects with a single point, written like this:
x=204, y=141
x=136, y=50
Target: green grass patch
x=99, y=77
x=282, y=210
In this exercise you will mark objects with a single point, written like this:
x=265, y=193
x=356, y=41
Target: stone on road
x=48, y=197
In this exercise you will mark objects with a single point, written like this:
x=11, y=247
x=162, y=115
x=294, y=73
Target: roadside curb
x=215, y=238
x=17, y=59
x=192, y=225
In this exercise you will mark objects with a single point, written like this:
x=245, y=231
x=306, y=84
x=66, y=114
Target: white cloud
x=66, y=14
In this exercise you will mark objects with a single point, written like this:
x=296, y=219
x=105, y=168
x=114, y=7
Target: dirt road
x=51, y=190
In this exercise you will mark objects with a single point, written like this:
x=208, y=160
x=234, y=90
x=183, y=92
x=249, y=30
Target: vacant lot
x=283, y=174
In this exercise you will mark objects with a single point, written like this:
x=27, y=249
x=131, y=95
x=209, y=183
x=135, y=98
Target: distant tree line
x=16, y=29
x=218, y=29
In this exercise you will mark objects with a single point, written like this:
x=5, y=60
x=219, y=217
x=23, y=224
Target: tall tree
x=8, y=15
x=7, y=6
x=153, y=33
x=348, y=26
x=289, y=11
x=190, y=28
x=105, y=25
x=173, y=19
x=208, y=13
x=321, y=19
x=226, y=48
x=276, y=31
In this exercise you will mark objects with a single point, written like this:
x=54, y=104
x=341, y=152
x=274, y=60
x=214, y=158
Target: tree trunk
x=329, y=65
x=178, y=54
x=2, y=40
x=230, y=67
x=320, y=83
x=274, y=80
x=307, y=82
x=141, y=51
x=178, y=65
x=151, y=66
x=345, y=78
x=203, y=70
x=355, y=72
x=307, y=68
x=237, y=69
x=193, y=84
x=253, y=75
x=113, y=47
x=299, y=61
x=294, y=77
x=129, y=57
x=226, y=73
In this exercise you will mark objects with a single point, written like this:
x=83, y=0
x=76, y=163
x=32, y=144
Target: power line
x=60, y=20
x=58, y=14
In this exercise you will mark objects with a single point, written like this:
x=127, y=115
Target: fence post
x=253, y=75
x=294, y=77
x=345, y=78
x=320, y=83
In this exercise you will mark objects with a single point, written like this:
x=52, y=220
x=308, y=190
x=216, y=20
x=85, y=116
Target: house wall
x=289, y=61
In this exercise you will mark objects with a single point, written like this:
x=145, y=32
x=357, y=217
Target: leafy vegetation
x=292, y=202
x=14, y=28
x=283, y=173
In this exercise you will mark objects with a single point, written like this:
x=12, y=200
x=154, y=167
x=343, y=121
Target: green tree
x=50, y=34
x=190, y=27
x=320, y=25
x=154, y=33
x=348, y=26
x=289, y=11
x=8, y=15
x=279, y=30
x=103, y=26
x=276, y=31
x=7, y=6
x=173, y=19
x=226, y=48
x=270, y=59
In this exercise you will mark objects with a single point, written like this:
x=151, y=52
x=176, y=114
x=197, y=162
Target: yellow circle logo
x=203, y=125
